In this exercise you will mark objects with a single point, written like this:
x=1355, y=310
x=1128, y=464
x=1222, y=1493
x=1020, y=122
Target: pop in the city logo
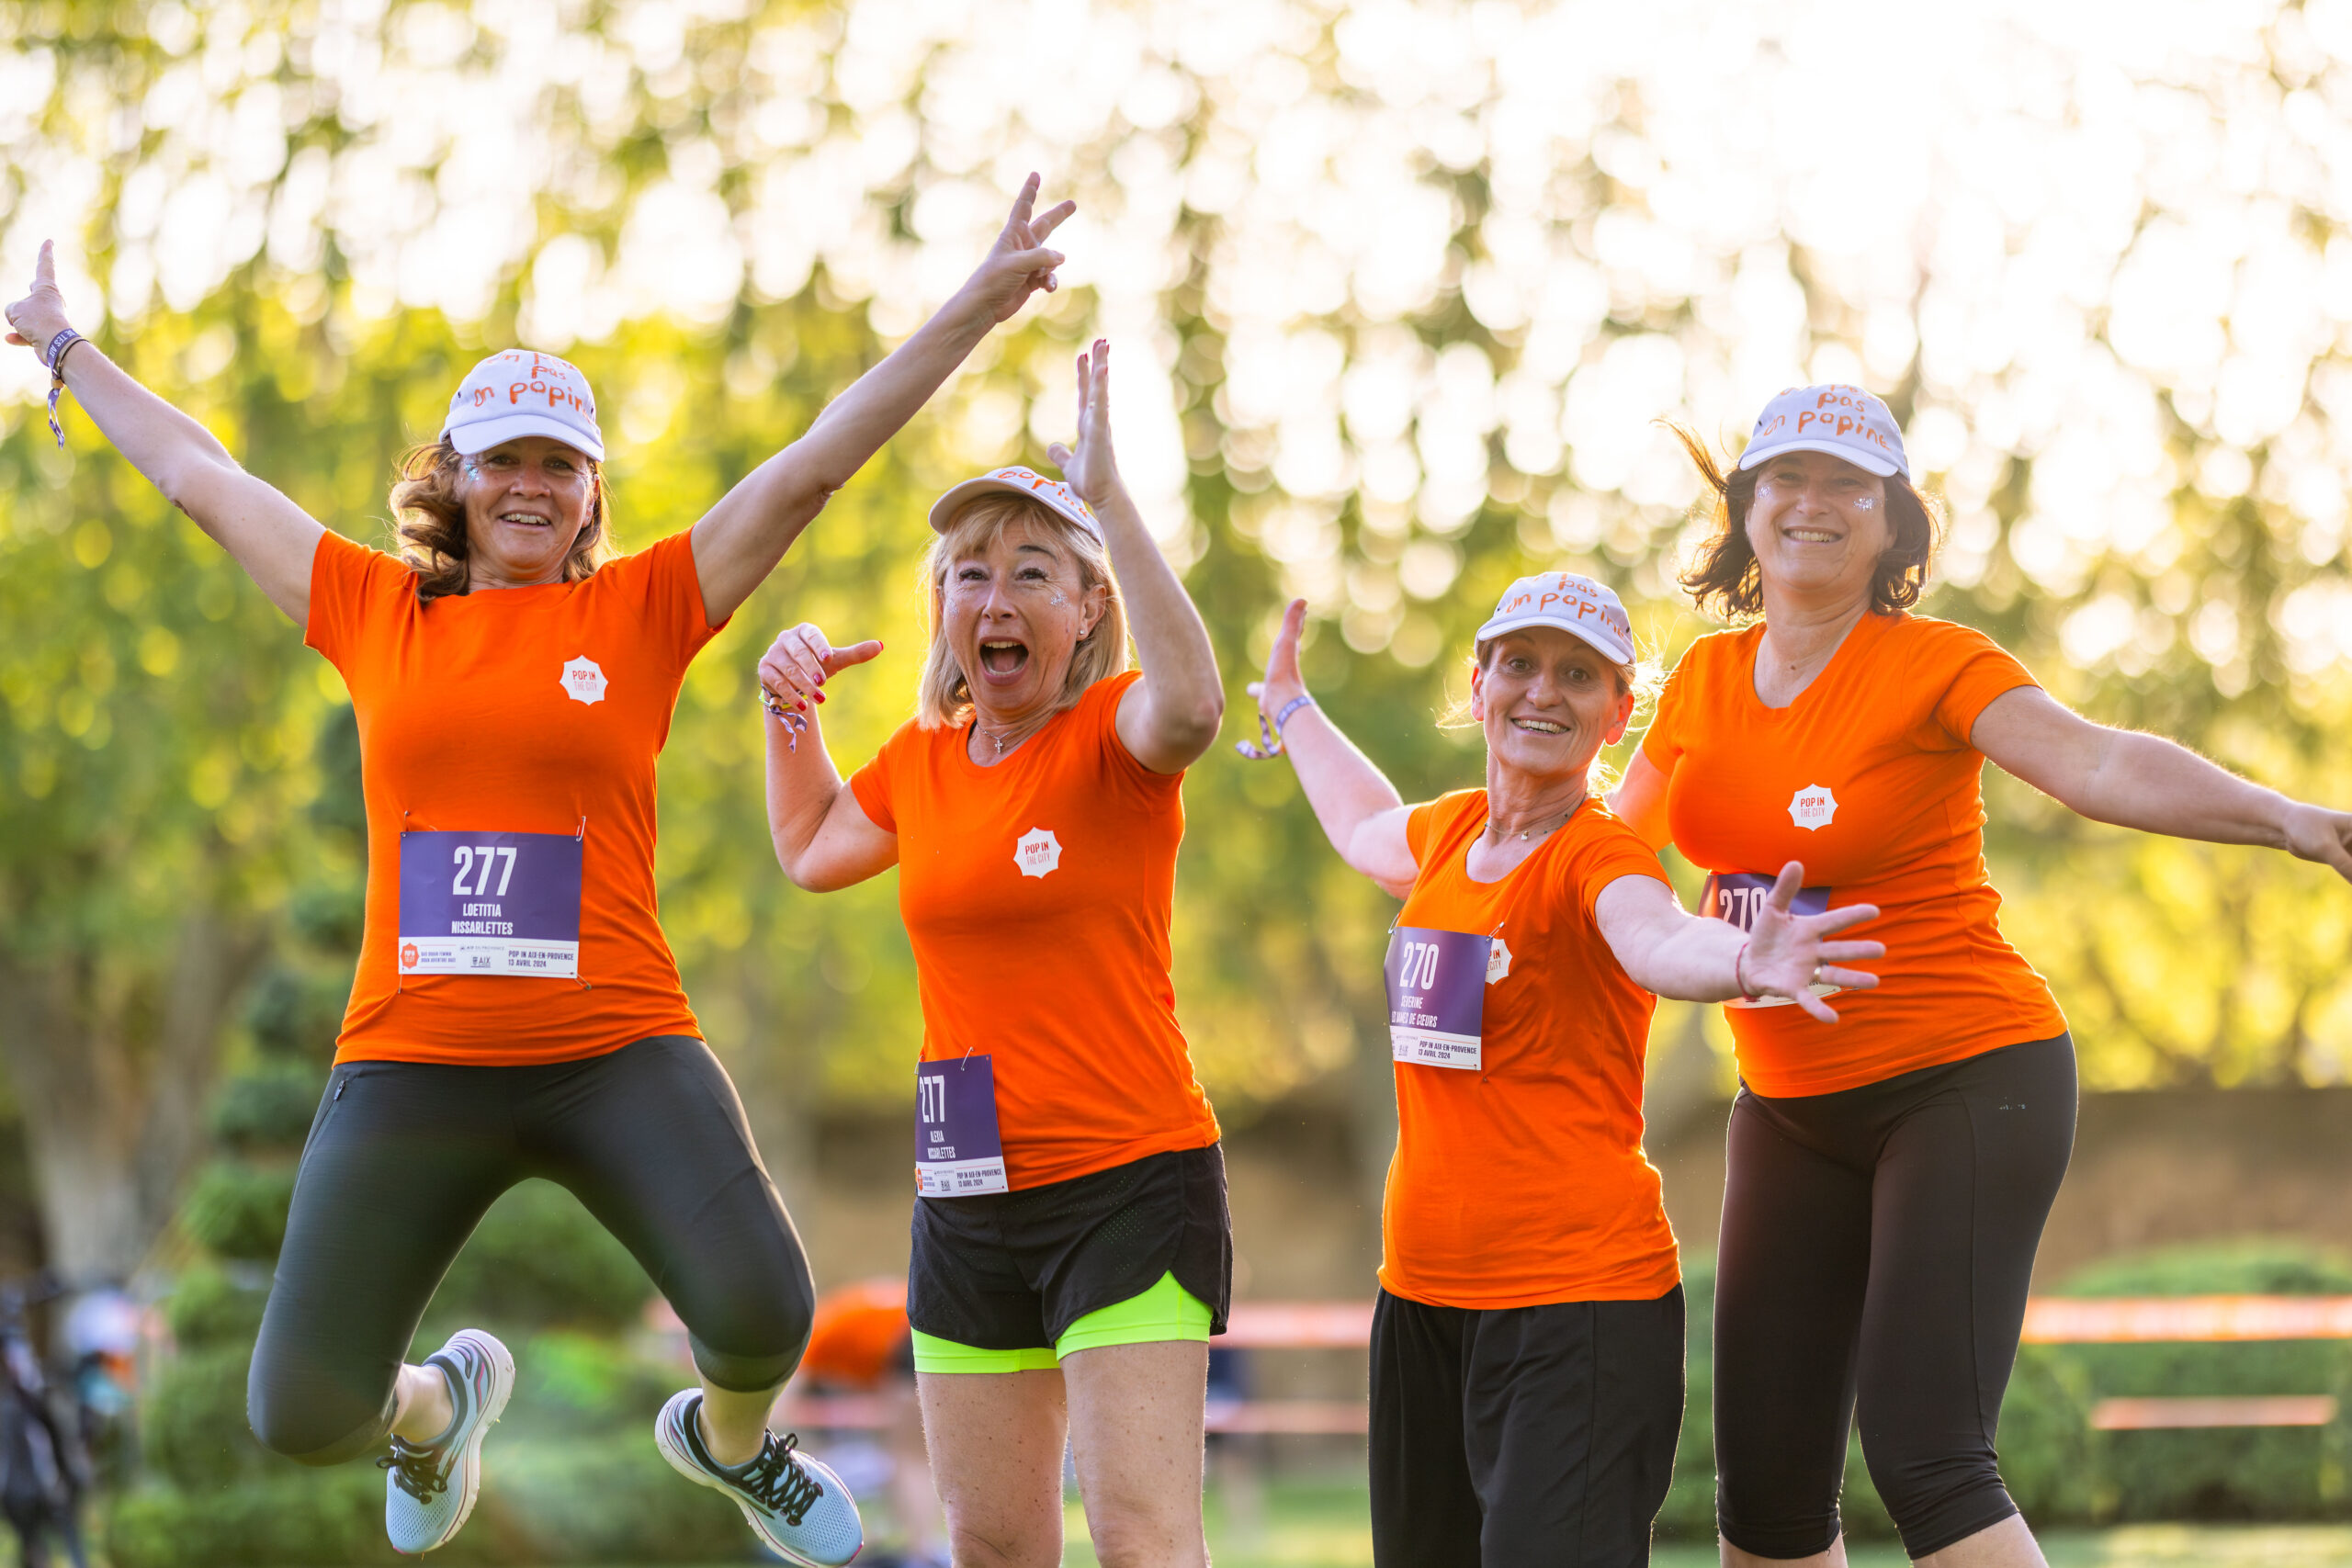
x=1498, y=961
x=1037, y=851
x=584, y=680
x=1813, y=808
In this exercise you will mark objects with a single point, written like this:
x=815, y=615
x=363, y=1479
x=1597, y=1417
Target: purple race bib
x=490, y=904
x=1437, y=995
x=958, y=1152
x=1736, y=895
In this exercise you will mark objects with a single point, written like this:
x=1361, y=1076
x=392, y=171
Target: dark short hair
x=1726, y=580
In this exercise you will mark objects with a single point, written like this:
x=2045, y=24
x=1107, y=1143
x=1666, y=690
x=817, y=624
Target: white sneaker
x=432, y=1487
x=797, y=1506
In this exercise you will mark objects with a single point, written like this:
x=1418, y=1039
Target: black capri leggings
x=1878, y=1242
x=403, y=1158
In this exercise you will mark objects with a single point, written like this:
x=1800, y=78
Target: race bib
x=1437, y=995
x=490, y=904
x=958, y=1152
x=1736, y=895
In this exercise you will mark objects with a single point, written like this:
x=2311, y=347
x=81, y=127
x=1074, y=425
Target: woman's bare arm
x=823, y=838
x=1360, y=811
x=2146, y=781
x=1168, y=718
x=270, y=536
x=740, y=540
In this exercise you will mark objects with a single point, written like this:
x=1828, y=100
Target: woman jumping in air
x=517, y=1012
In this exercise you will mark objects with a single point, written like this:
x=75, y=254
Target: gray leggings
x=403, y=1158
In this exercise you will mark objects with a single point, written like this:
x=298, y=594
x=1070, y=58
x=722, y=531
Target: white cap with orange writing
x=1842, y=420
x=520, y=393
x=1018, y=481
x=1575, y=605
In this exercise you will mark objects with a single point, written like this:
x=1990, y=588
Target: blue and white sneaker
x=432, y=1486
x=797, y=1506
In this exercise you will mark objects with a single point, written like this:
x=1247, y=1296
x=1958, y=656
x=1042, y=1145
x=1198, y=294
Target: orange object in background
x=860, y=1335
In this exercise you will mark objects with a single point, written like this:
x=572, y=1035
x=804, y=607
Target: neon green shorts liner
x=1166, y=1311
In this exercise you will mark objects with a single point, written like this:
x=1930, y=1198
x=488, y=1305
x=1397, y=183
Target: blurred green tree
x=1415, y=288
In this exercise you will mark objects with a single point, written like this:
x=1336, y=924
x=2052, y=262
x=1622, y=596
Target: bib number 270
x=1739, y=896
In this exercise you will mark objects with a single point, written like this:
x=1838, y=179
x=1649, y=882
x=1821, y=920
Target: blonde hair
x=945, y=695
x=1639, y=681
x=431, y=523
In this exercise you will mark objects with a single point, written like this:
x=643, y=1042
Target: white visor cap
x=520, y=393
x=1842, y=420
x=1015, y=480
x=1575, y=605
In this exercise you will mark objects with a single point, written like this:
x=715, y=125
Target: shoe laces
x=777, y=1481
x=416, y=1470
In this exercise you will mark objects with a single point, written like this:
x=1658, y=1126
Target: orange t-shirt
x=1037, y=897
x=1870, y=780
x=858, y=1332
x=520, y=710
x=1523, y=1182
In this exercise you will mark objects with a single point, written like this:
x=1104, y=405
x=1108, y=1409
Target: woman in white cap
x=1072, y=1253
x=1527, y=1341
x=1888, y=1179
x=517, y=1012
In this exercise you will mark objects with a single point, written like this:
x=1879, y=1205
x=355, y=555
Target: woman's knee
x=1937, y=1495
x=309, y=1418
x=1130, y=1536
x=999, y=1545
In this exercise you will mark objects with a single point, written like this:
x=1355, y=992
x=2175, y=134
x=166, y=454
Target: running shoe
x=432, y=1486
x=797, y=1506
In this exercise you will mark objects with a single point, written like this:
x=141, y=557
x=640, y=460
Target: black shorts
x=1537, y=1437
x=1013, y=1270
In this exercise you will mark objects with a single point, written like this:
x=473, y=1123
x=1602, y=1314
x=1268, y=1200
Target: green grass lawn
x=1303, y=1525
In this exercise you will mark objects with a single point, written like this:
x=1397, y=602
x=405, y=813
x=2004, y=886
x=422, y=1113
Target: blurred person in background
x=1527, y=1343
x=44, y=1465
x=1071, y=1250
x=860, y=1346
x=517, y=1012
x=1888, y=1179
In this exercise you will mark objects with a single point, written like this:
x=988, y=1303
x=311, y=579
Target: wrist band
x=54, y=356
x=1736, y=977
x=793, y=722
x=1269, y=745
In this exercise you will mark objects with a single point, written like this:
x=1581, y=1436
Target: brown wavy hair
x=1725, y=580
x=430, y=523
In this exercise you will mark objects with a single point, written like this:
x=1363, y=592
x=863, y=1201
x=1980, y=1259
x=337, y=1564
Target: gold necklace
x=1496, y=828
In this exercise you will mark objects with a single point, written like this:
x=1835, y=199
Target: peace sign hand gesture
x=1018, y=264
x=1786, y=952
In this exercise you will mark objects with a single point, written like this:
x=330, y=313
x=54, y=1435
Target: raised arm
x=270, y=536
x=1360, y=811
x=740, y=540
x=823, y=838
x=1169, y=717
x=1666, y=949
x=2149, y=783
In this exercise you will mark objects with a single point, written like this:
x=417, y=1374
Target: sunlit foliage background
x=1400, y=290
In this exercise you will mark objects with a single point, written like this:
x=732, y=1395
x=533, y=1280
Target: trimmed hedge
x=2062, y=1472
